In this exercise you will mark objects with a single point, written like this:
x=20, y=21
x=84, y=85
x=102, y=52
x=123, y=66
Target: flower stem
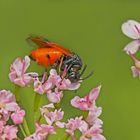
x=65, y=137
x=22, y=130
x=25, y=125
x=17, y=94
x=85, y=114
x=57, y=105
x=36, y=101
x=17, y=138
x=39, y=118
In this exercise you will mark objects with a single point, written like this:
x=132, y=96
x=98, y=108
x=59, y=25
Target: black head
x=73, y=63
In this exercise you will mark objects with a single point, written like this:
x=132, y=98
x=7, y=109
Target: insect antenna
x=30, y=42
x=83, y=70
x=87, y=76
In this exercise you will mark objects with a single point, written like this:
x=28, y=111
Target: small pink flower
x=66, y=84
x=9, y=132
x=54, y=116
x=4, y=115
x=44, y=129
x=17, y=72
x=12, y=107
x=18, y=116
x=92, y=133
x=131, y=29
x=41, y=133
x=73, y=124
x=92, y=130
x=93, y=115
x=6, y=97
x=38, y=86
x=86, y=103
x=6, y=100
x=62, y=84
x=54, y=97
x=42, y=86
x=45, y=109
x=54, y=78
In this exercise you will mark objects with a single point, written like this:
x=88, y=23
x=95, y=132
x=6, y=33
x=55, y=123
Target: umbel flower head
x=9, y=109
x=91, y=126
x=53, y=84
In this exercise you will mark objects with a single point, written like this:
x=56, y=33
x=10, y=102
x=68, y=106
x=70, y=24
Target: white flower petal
x=132, y=47
x=27, y=63
x=131, y=29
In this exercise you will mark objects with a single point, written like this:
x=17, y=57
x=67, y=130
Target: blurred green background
x=91, y=28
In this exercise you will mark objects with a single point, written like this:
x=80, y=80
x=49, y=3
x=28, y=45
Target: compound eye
x=76, y=67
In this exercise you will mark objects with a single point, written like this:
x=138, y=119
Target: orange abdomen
x=46, y=56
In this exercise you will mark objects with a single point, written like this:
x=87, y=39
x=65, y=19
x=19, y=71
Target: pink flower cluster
x=89, y=126
x=52, y=117
x=41, y=133
x=53, y=85
x=131, y=29
x=9, y=109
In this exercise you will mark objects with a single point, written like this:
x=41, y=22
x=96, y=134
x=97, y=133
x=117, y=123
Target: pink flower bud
x=18, y=116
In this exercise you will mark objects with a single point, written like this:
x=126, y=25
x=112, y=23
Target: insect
x=49, y=53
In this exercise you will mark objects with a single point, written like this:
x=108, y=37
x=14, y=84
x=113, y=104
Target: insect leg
x=44, y=78
x=60, y=64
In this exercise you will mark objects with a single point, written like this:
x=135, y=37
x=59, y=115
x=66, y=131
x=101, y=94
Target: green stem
x=57, y=105
x=65, y=137
x=17, y=138
x=25, y=125
x=85, y=114
x=22, y=130
x=36, y=101
x=17, y=94
x=39, y=118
